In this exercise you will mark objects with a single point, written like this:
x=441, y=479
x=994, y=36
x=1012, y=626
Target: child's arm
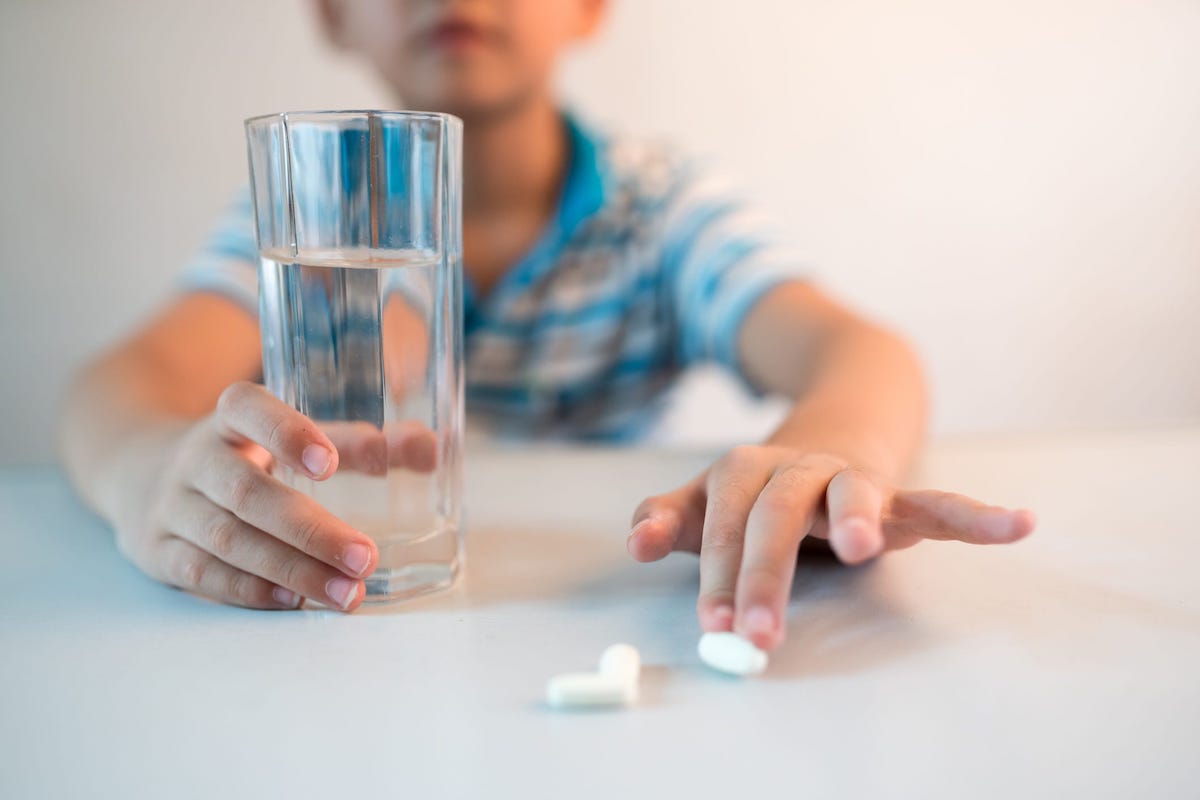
x=186, y=488
x=828, y=471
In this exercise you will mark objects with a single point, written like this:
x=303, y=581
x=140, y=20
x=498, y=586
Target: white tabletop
x=1065, y=666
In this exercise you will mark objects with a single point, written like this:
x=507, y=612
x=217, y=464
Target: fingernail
x=852, y=541
x=722, y=617
x=286, y=598
x=356, y=557
x=664, y=520
x=315, y=459
x=759, y=620
x=342, y=591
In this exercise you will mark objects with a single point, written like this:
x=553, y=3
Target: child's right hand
x=218, y=524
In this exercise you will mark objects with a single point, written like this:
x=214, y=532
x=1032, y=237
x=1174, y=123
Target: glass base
x=414, y=580
x=415, y=567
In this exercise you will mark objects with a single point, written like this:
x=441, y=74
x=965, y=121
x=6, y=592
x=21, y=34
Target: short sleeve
x=227, y=264
x=719, y=258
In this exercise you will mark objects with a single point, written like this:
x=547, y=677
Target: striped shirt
x=649, y=265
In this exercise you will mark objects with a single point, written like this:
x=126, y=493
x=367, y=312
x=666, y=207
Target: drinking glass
x=358, y=219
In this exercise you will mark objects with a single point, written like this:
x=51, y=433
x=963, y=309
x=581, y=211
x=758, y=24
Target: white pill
x=730, y=653
x=590, y=690
x=621, y=661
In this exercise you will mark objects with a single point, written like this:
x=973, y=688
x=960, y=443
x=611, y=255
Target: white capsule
x=589, y=690
x=730, y=653
x=621, y=661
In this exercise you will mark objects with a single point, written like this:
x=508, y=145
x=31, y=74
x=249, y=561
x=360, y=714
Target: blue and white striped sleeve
x=719, y=258
x=227, y=264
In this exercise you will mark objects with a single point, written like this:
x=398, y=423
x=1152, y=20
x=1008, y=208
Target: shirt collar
x=583, y=194
x=583, y=189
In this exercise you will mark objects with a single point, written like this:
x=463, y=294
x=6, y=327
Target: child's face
x=473, y=58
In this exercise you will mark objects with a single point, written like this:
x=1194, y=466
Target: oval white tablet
x=730, y=653
x=589, y=690
x=621, y=661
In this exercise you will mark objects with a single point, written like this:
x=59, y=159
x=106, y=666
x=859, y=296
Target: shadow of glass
x=506, y=565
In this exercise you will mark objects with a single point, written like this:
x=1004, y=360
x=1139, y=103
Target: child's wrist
x=126, y=475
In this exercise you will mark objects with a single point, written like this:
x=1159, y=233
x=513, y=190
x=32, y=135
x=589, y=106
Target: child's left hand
x=747, y=514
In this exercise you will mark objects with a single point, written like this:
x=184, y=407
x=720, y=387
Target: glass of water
x=358, y=217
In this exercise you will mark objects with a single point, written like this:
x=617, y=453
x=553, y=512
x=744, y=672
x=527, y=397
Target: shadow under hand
x=843, y=619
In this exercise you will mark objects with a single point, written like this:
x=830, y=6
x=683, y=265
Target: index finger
x=248, y=412
x=782, y=516
x=733, y=485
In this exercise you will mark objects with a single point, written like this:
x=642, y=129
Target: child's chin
x=469, y=97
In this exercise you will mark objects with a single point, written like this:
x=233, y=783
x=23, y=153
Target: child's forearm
x=864, y=399
x=858, y=389
x=114, y=419
x=121, y=412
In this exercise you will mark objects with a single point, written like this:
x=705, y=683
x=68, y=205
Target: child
x=168, y=440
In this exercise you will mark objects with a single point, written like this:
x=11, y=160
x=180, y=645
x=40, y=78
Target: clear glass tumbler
x=358, y=217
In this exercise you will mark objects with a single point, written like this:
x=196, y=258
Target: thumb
x=667, y=522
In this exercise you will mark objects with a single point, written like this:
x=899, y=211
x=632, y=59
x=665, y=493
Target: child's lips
x=457, y=35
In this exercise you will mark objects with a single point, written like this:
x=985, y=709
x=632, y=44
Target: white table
x=1065, y=666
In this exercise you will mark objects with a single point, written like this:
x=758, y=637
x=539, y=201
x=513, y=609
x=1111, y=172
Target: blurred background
x=1013, y=183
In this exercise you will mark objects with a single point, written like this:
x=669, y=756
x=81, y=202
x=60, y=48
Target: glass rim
x=282, y=116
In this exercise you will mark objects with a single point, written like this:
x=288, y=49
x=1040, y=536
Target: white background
x=1015, y=184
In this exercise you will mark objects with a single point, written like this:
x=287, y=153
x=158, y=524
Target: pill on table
x=730, y=653
x=590, y=690
x=621, y=661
